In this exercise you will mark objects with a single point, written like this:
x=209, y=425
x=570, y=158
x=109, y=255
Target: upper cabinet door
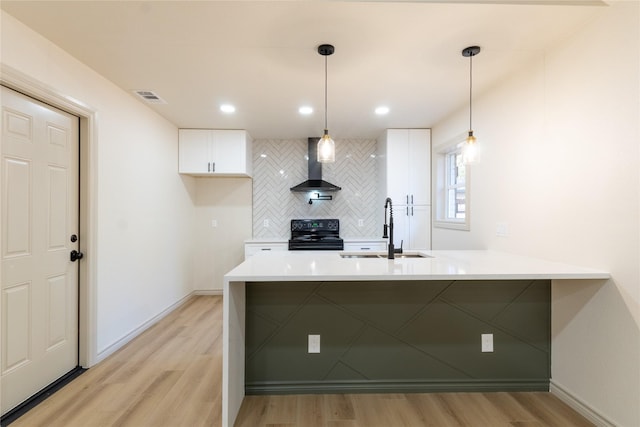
x=214, y=152
x=419, y=166
x=397, y=169
x=194, y=153
x=230, y=152
x=406, y=174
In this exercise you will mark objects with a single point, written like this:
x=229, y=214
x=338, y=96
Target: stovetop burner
x=315, y=234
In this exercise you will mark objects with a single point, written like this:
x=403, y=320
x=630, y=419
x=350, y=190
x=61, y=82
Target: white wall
x=560, y=165
x=219, y=249
x=145, y=208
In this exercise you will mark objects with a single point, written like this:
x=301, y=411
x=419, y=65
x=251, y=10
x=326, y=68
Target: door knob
x=75, y=255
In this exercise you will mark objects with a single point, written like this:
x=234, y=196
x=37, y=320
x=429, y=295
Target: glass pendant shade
x=326, y=149
x=470, y=150
x=326, y=146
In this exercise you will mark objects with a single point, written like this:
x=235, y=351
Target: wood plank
x=310, y=410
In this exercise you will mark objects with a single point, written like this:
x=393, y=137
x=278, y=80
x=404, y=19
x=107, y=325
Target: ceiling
x=261, y=56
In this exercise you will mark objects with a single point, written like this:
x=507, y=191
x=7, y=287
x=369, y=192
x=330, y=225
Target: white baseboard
x=579, y=406
x=208, y=292
x=140, y=329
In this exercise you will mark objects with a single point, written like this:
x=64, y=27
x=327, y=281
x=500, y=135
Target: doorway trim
x=87, y=301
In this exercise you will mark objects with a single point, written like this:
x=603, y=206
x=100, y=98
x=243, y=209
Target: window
x=452, y=187
x=455, y=186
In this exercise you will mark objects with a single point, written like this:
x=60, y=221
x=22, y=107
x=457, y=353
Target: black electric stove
x=315, y=234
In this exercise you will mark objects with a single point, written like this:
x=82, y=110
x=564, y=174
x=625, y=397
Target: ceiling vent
x=149, y=97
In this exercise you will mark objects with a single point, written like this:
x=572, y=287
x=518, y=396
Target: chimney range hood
x=315, y=182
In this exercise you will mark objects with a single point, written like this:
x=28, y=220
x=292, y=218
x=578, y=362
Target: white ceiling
x=261, y=55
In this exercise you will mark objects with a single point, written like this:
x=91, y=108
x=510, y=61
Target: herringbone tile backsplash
x=280, y=164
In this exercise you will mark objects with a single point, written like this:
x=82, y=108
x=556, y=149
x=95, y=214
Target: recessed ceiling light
x=382, y=110
x=227, y=108
x=305, y=110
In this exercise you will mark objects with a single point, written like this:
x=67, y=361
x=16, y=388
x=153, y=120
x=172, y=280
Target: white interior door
x=39, y=214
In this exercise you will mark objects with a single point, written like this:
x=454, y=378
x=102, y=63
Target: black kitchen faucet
x=392, y=251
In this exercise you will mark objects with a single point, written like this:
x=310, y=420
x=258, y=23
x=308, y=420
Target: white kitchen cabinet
x=214, y=152
x=404, y=168
x=251, y=249
x=412, y=226
x=406, y=157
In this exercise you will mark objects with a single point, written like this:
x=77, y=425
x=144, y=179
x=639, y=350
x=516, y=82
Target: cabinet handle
x=407, y=199
x=365, y=249
x=213, y=166
x=407, y=210
x=411, y=210
x=208, y=166
x=412, y=199
x=265, y=249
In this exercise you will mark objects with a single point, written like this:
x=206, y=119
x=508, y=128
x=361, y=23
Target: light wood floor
x=171, y=375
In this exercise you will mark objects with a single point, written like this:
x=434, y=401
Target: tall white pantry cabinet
x=404, y=170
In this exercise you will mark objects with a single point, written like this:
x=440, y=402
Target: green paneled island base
x=318, y=322
x=395, y=337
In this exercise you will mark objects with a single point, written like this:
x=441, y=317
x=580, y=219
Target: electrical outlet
x=361, y=223
x=214, y=223
x=314, y=343
x=502, y=229
x=265, y=223
x=487, y=343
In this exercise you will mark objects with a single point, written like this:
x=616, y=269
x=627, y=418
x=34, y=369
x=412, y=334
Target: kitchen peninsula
x=440, y=321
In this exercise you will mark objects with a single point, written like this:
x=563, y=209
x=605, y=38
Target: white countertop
x=266, y=240
x=442, y=265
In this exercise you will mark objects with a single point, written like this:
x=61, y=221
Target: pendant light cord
x=325, y=92
x=470, y=88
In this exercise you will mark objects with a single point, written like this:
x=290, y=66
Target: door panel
x=17, y=300
x=39, y=194
x=58, y=233
x=58, y=306
x=16, y=202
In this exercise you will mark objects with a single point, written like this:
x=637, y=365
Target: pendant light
x=326, y=146
x=470, y=148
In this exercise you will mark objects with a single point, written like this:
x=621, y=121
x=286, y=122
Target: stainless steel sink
x=360, y=255
x=410, y=256
x=381, y=255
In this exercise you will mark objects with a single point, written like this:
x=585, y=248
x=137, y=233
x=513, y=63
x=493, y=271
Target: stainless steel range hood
x=315, y=181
